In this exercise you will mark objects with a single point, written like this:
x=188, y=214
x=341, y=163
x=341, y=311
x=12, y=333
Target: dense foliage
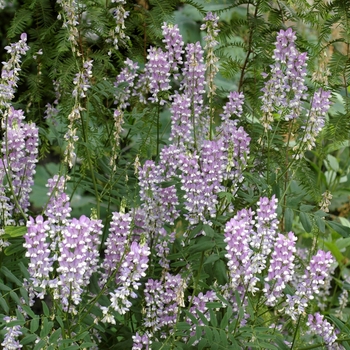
x=174, y=174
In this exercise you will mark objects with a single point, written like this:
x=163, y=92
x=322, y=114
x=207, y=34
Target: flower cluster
x=199, y=304
x=286, y=87
x=10, y=71
x=315, y=119
x=117, y=34
x=309, y=284
x=81, y=80
x=132, y=268
x=12, y=333
x=173, y=45
x=141, y=342
x=77, y=259
x=211, y=27
x=19, y=157
x=321, y=327
x=70, y=20
x=163, y=300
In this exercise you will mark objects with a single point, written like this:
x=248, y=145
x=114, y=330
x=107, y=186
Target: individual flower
x=58, y=207
x=70, y=17
x=326, y=201
x=193, y=85
x=117, y=240
x=82, y=80
x=234, y=106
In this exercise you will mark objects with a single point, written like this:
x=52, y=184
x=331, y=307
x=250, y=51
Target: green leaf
x=305, y=221
x=10, y=276
x=220, y=272
x=288, y=219
x=4, y=305
x=306, y=208
x=15, y=231
x=45, y=309
x=201, y=246
x=212, y=258
x=34, y=324
x=342, y=230
x=46, y=328
x=40, y=345
x=320, y=222
x=208, y=230
x=15, y=297
x=14, y=248
x=343, y=243
x=28, y=311
x=213, y=319
x=4, y=287
x=55, y=336
x=30, y=338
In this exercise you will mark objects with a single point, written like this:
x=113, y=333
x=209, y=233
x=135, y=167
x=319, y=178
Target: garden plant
x=174, y=174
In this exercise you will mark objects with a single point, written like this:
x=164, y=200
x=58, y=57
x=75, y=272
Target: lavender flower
x=193, y=85
x=234, y=106
x=78, y=258
x=10, y=71
x=38, y=251
x=321, y=327
x=133, y=267
x=235, y=140
x=70, y=20
x=211, y=26
x=237, y=238
x=173, y=45
x=309, y=286
x=127, y=77
x=116, y=242
x=199, y=303
x=81, y=80
x=315, y=120
x=117, y=34
x=19, y=148
x=157, y=70
x=181, y=123
x=58, y=207
x=162, y=302
x=281, y=269
x=12, y=333
x=141, y=342
x=286, y=87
